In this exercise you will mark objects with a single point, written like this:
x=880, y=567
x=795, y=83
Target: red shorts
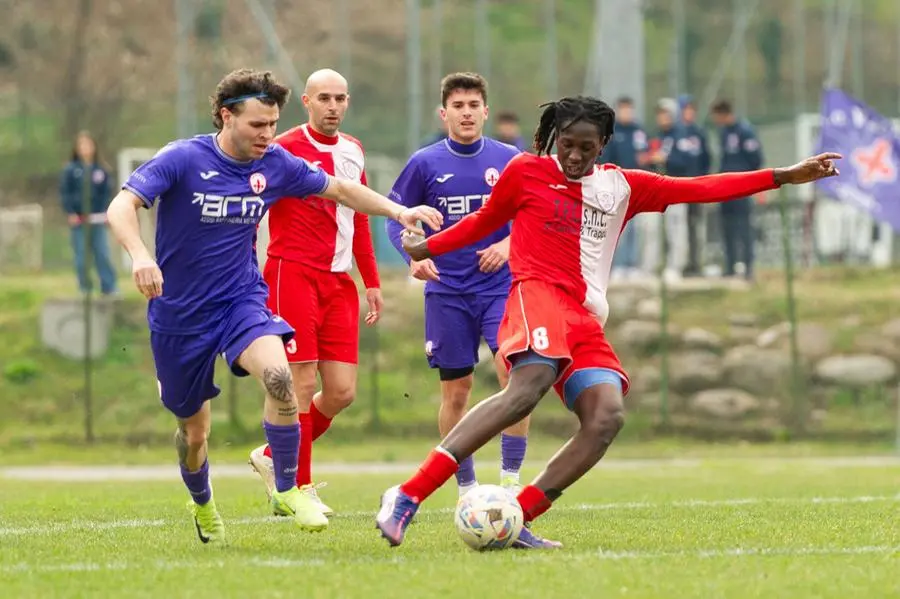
x=323, y=307
x=543, y=318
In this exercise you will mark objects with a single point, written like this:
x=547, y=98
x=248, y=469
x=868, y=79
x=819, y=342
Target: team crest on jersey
x=349, y=169
x=491, y=175
x=606, y=201
x=258, y=183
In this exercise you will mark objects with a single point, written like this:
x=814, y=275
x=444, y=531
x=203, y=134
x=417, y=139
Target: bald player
x=311, y=250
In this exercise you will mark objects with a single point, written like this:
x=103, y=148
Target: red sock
x=437, y=469
x=304, y=458
x=533, y=502
x=319, y=422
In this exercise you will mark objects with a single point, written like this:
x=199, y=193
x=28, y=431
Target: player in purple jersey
x=211, y=191
x=466, y=290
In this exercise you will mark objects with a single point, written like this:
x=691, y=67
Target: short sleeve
x=301, y=178
x=409, y=188
x=159, y=174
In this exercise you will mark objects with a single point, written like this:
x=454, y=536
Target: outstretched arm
x=654, y=193
x=362, y=199
x=302, y=179
x=492, y=215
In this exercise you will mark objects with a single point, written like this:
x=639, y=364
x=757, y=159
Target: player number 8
x=539, y=338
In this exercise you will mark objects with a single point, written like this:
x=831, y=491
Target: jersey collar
x=328, y=140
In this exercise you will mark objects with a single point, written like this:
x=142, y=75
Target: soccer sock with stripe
x=197, y=483
x=465, y=473
x=512, y=454
x=534, y=502
x=437, y=469
x=284, y=441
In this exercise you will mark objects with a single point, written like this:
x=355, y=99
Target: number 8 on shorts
x=539, y=340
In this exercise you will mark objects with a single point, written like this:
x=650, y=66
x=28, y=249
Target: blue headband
x=259, y=96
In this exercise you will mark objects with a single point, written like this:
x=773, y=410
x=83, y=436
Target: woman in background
x=86, y=162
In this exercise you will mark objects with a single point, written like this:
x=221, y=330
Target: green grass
x=744, y=528
x=393, y=450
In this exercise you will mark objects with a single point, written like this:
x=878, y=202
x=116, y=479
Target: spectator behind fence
x=86, y=162
x=697, y=150
x=627, y=149
x=508, y=130
x=670, y=157
x=740, y=151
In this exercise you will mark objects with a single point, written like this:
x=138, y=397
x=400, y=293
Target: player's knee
x=605, y=421
x=527, y=390
x=279, y=384
x=339, y=397
x=456, y=391
x=192, y=436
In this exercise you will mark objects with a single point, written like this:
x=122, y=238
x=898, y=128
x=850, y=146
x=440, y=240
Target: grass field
x=741, y=527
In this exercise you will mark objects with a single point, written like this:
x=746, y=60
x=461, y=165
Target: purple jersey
x=209, y=207
x=456, y=179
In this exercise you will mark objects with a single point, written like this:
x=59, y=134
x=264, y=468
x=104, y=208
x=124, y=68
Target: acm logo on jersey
x=457, y=207
x=233, y=210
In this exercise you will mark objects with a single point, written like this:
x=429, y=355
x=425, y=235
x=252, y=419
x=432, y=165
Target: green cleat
x=301, y=507
x=210, y=527
x=511, y=484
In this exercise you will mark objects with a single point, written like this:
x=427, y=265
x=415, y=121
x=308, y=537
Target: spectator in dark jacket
x=698, y=163
x=740, y=151
x=670, y=154
x=508, y=130
x=85, y=195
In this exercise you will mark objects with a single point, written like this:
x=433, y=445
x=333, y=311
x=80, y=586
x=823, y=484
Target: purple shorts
x=455, y=325
x=185, y=364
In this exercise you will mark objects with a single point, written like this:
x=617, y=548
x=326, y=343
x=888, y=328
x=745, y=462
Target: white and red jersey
x=565, y=231
x=316, y=231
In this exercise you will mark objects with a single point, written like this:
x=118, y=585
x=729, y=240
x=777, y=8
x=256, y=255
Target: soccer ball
x=488, y=517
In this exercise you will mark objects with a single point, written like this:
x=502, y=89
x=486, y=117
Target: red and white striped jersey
x=565, y=231
x=316, y=231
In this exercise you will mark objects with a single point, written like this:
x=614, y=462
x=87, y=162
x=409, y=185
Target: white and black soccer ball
x=488, y=517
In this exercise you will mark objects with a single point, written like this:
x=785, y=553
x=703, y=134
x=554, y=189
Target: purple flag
x=870, y=169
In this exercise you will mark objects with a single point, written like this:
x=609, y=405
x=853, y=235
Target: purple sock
x=284, y=441
x=512, y=452
x=198, y=483
x=465, y=474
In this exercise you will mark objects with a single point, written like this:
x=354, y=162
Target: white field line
x=86, y=525
x=593, y=556
x=160, y=472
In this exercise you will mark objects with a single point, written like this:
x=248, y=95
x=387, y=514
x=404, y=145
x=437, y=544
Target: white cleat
x=313, y=492
x=263, y=466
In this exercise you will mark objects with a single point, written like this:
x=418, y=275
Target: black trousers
x=695, y=222
x=737, y=234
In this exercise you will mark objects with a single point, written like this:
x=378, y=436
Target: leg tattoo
x=280, y=387
x=181, y=443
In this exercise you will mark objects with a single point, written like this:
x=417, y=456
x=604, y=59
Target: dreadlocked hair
x=562, y=114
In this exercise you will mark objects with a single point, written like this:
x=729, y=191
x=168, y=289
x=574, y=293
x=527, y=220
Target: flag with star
x=870, y=169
